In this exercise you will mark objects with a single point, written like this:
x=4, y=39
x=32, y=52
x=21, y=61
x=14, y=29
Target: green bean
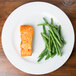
x=55, y=37
x=49, y=44
x=49, y=47
x=42, y=55
x=40, y=59
x=44, y=31
x=47, y=56
x=63, y=40
x=61, y=35
x=43, y=52
x=60, y=30
x=53, y=55
x=59, y=50
x=53, y=41
x=51, y=21
x=45, y=36
x=45, y=20
x=57, y=34
x=56, y=26
x=53, y=49
x=47, y=25
x=41, y=24
x=45, y=40
x=53, y=26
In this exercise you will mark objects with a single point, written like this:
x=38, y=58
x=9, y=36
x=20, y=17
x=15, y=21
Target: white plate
x=32, y=13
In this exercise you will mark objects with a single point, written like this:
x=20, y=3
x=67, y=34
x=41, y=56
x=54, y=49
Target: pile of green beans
x=53, y=42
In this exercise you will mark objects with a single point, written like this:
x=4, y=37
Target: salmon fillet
x=26, y=40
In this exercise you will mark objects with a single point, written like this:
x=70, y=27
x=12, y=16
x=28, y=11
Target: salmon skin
x=26, y=40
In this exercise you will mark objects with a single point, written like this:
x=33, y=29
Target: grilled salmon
x=26, y=40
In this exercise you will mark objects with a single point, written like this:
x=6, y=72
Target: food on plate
x=54, y=41
x=26, y=40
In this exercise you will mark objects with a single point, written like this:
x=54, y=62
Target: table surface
x=6, y=7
